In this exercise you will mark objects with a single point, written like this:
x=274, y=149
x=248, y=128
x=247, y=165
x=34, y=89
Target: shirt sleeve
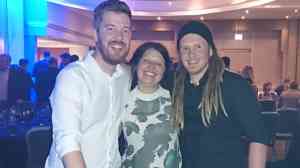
x=248, y=114
x=66, y=103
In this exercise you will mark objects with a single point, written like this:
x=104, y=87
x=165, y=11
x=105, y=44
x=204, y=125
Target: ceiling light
x=247, y=11
x=158, y=18
x=170, y=3
x=202, y=18
x=272, y=6
x=243, y=17
x=287, y=17
x=238, y=1
x=238, y=36
x=69, y=4
x=296, y=10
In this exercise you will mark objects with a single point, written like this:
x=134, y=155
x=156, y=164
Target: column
x=14, y=35
x=30, y=43
x=2, y=21
x=284, y=50
x=21, y=22
x=298, y=54
x=292, y=49
x=35, y=24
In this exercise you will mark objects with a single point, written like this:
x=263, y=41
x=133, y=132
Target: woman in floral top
x=149, y=126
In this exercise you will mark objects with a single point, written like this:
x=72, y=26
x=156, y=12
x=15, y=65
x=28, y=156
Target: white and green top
x=149, y=131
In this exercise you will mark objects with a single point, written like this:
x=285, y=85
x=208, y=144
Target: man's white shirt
x=87, y=105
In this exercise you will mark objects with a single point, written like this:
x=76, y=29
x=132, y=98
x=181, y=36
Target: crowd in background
x=18, y=83
x=286, y=94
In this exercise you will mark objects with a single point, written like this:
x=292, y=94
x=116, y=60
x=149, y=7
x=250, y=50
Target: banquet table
x=13, y=150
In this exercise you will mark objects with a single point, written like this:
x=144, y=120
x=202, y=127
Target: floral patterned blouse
x=149, y=131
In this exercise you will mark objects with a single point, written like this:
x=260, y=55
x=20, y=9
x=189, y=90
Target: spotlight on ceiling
x=238, y=36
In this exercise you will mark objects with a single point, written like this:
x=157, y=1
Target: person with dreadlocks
x=215, y=109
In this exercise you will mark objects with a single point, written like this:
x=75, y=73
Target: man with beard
x=90, y=94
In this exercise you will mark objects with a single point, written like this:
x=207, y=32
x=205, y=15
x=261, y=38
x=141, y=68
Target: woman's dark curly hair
x=138, y=55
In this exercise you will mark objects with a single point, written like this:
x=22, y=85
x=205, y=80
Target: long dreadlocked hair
x=212, y=101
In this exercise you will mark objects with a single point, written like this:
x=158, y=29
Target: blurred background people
x=290, y=99
x=16, y=83
x=268, y=93
x=226, y=61
x=4, y=73
x=45, y=81
x=248, y=74
x=74, y=58
x=283, y=86
x=65, y=59
x=23, y=64
x=42, y=64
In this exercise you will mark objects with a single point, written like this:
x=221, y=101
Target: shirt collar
x=201, y=82
x=89, y=59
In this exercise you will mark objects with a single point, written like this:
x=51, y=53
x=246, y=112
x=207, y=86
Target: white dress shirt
x=87, y=105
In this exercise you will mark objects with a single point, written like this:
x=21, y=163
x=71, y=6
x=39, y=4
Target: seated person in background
x=148, y=123
x=45, y=81
x=290, y=99
x=226, y=61
x=267, y=93
x=282, y=87
x=248, y=74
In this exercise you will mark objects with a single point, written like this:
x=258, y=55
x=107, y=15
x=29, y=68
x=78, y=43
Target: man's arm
x=67, y=104
x=73, y=160
x=257, y=155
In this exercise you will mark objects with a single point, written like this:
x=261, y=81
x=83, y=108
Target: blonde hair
x=212, y=100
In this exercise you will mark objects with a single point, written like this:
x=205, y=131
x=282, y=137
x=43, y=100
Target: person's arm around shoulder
x=66, y=102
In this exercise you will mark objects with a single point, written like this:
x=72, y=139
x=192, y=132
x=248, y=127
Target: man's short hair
x=23, y=62
x=110, y=5
x=47, y=54
x=65, y=56
x=74, y=57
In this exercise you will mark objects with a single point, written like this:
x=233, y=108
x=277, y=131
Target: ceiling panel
x=196, y=9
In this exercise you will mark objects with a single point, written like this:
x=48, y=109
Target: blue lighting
x=36, y=17
x=21, y=22
x=64, y=3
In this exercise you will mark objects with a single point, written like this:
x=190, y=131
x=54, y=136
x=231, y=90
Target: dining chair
x=38, y=141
